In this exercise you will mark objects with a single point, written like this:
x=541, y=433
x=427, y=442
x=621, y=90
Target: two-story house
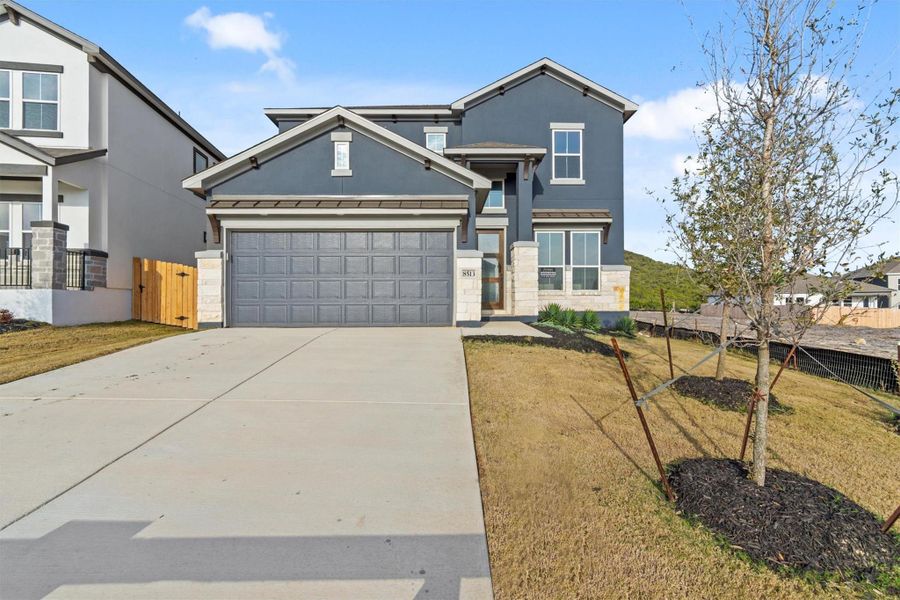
x=491, y=206
x=91, y=163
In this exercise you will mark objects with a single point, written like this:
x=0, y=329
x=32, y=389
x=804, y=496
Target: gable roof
x=320, y=124
x=98, y=57
x=544, y=66
x=889, y=267
x=50, y=156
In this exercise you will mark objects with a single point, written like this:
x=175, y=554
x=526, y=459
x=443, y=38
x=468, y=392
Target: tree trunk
x=760, y=435
x=723, y=339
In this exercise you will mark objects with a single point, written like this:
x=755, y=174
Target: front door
x=490, y=242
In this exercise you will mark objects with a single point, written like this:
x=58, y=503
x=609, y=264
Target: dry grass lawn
x=25, y=353
x=569, y=486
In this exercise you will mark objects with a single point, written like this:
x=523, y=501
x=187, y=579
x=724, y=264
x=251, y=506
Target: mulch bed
x=730, y=394
x=19, y=325
x=792, y=523
x=560, y=339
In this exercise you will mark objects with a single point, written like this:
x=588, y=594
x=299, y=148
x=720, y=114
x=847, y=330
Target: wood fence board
x=168, y=295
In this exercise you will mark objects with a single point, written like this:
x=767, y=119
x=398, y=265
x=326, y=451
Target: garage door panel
x=333, y=278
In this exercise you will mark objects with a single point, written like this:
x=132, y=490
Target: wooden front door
x=493, y=267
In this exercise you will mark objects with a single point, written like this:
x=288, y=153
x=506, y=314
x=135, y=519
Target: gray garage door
x=350, y=278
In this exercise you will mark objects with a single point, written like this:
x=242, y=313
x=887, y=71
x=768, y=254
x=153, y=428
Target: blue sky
x=220, y=63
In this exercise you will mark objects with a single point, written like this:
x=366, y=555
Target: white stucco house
x=91, y=163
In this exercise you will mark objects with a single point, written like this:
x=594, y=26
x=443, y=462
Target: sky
x=219, y=63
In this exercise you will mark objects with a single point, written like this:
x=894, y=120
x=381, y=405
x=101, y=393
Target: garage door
x=340, y=278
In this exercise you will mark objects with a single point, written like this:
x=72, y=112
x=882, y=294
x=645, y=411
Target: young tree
x=791, y=170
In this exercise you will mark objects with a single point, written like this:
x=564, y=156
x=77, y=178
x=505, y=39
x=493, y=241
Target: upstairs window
x=40, y=105
x=495, y=196
x=585, y=260
x=567, y=153
x=5, y=96
x=436, y=142
x=342, y=156
x=201, y=162
x=551, y=250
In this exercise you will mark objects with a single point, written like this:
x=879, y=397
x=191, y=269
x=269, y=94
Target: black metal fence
x=15, y=267
x=75, y=269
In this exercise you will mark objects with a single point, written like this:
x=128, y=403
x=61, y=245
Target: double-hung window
x=567, y=153
x=551, y=252
x=40, y=101
x=201, y=162
x=585, y=260
x=436, y=142
x=495, y=196
x=5, y=99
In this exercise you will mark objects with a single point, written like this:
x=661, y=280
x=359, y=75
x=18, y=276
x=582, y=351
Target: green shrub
x=589, y=320
x=626, y=325
x=550, y=313
x=569, y=318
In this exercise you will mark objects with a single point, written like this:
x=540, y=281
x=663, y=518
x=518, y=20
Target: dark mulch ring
x=559, y=339
x=730, y=394
x=792, y=524
x=19, y=325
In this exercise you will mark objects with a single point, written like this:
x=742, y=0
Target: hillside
x=648, y=275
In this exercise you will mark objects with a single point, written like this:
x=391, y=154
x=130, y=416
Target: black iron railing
x=15, y=267
x=75, y=269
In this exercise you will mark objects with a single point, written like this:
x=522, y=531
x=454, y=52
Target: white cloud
x=673, y=117
x=243, y=31
x=683, y=162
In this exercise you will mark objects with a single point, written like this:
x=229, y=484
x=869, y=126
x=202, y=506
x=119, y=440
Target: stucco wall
x=29, y=44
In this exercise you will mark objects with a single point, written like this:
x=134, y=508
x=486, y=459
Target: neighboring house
x=885, y=276
x=864, y=295
x=488, y=207
x=91, y=164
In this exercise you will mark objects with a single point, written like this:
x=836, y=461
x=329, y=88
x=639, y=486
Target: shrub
x=626, y=325
x=589, y=320
x=6, y=316
x=550, y=313
x=569, y=318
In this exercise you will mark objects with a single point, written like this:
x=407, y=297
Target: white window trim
x=599, y=258
x=8, y=99
x=502, y=207
x=571, y=128
x=338, y=171
x=559, y=266
x=57, y=102
x=443, y=135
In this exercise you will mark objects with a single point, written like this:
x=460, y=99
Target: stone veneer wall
x=468, y=289
x=523, y=279
x=94, y=269
x=210, y=299
x=48, y=255
x=613, y=295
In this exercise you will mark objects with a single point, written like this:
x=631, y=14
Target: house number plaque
x=468, y=273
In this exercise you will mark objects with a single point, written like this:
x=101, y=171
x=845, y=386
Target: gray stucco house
x=485, y=208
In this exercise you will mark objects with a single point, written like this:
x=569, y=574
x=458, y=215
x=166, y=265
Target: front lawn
x=25, y=353
x=569, y=486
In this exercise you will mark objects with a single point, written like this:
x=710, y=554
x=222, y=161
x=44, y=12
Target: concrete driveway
x=246, y=463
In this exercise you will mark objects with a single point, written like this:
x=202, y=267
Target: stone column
x=94, y=269
x=468, y=286
x=48, y=255
x=524, y=266
x=210, y=293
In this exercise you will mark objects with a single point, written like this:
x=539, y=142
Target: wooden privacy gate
x=164, y=292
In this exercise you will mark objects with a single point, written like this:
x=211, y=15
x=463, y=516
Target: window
x=436, y=142
x=585, y=260
x=567, y=156
x=342, y=156
x=31, y=211
x=551, y=248
x=495, y=196
x=5, y=95
x=5, y=208
x=201, y=162
x=40, y=106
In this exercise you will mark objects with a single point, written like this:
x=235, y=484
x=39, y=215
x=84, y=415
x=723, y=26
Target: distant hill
x=648, y=275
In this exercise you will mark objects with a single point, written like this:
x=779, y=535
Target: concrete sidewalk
x=243, y=464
